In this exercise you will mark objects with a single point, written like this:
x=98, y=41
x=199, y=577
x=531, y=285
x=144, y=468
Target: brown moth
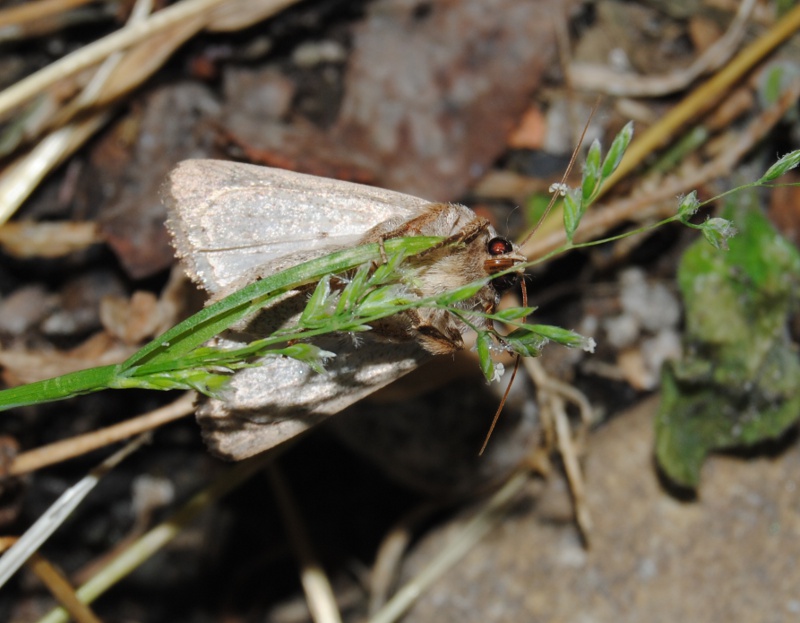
x=232, y=223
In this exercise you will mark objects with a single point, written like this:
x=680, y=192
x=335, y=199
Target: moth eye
x=499, y=246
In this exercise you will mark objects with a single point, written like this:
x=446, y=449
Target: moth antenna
x=382, y=247
x=500, y=407
x=550, y=205
x=496, y=417
x=524, y=290
x=567, y=171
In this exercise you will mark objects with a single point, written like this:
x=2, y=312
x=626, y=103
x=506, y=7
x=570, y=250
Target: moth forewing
x=232, y=223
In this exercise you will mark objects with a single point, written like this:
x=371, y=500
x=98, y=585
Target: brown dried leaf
x=24, y=366
x=131, y=320
x=53, y=239
x=431, y=93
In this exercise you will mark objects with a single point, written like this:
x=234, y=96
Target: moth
x=232, y=223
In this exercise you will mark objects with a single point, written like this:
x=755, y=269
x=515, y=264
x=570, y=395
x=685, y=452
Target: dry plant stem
x=16, y=16
x=599, y=78
x=486, y=519
x=23, y=176
x=390, y=554
x=569, y=454
x=94, y=53
x=92, y=91
x=150, y=543
x=20, y=178
x=551, y=399
x=639, y=208
x=577, y=398
x=81, y=444
x=163, y=32
x=61, y=589
x=56, y=583
x=54, y=516
x=704, y=97
x=321, y=600
x=565, y=60
x=6, y=542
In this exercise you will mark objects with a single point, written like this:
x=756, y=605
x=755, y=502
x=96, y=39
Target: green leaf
x=206, y=382
x=183, y=338
x=385, y=298
x=221, y=315
x=739, y=382
x=513, y=313
x=525, y=342
x=354, y=290
x=688, y=206
x=718, y=231
x=573, y=213
x=783, y=165
x=617, y=150
x=317, y=308
x=565, y=337
x=388, y=271
x=312, y=355
x=461, y=294
x=591, y=172
x=483, y=345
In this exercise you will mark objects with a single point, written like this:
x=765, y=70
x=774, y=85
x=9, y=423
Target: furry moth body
x=232, y=223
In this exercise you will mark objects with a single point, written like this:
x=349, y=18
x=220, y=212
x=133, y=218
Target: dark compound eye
x=499, y=246
x=496, y=247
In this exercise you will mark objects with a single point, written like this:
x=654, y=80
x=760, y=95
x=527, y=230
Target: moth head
x=502, y=255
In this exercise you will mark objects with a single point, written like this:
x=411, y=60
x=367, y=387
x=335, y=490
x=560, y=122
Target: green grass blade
x=58, y=388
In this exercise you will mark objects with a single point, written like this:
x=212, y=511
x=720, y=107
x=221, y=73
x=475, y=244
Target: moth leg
x=434, y=330
x=382, y=247
x=437, y=333
x=469, y=232
x=465, y=234
x=428, y=224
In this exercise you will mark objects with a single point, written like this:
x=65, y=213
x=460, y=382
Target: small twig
x=467, y=537
x=49, y=522
x=638, y=208
x=572, y=467
x=151, y=542
x=92, y=54
x=61, y=589
x=81, y=444
x=321, y=600
x=16, y=16
x=705, y=96
x=552, y=393
x=390, y=552
x=22, y=177
x=601, y=79
x=56, y=583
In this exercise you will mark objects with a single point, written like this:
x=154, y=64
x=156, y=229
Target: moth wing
x=280, y=398
x=231, y=221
